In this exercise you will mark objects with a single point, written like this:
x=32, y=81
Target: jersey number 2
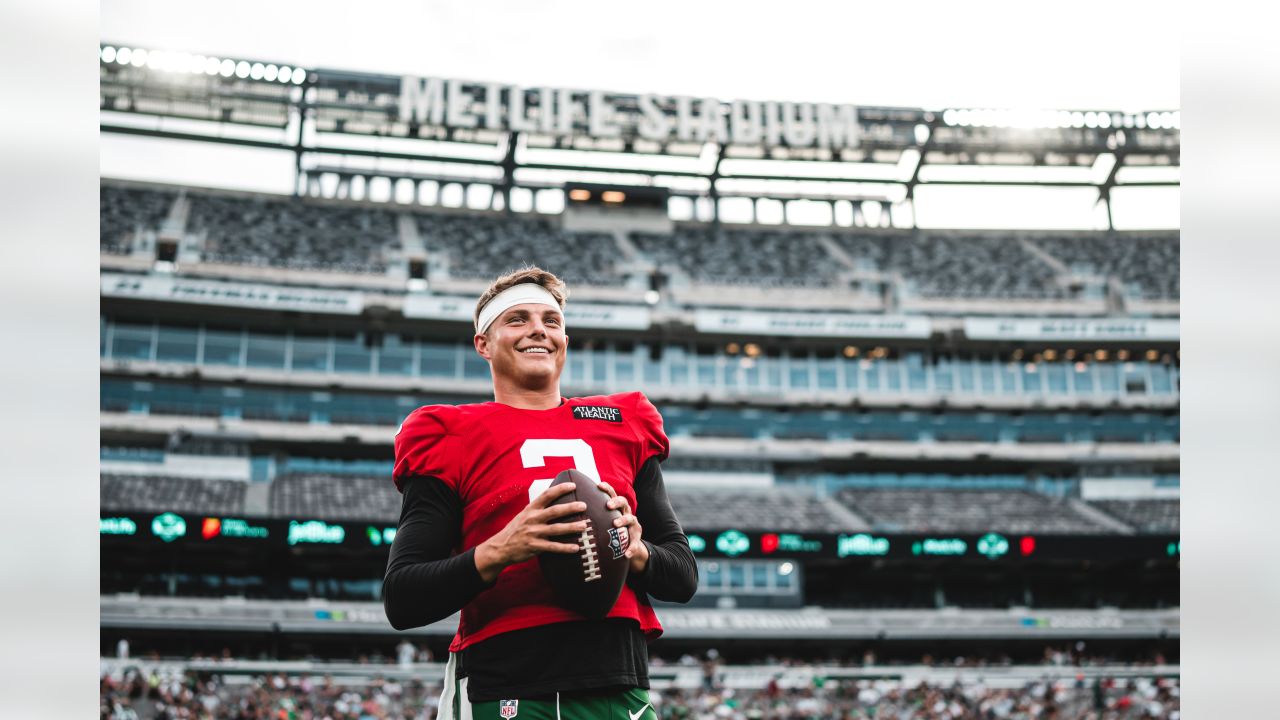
x=534, y=453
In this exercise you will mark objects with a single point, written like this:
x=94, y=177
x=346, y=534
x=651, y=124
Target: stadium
x=921, y=469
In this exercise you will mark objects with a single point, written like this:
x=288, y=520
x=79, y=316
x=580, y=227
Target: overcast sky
x=1077, y=55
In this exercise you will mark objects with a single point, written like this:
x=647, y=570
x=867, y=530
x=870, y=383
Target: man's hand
x=528, y=534
x=637, y=551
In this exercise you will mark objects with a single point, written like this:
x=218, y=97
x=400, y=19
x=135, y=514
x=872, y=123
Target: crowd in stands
x=134, y=695
x=334, y=497
x=755, y=509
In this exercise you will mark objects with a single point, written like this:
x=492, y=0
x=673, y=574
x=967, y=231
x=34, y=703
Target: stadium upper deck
x=877, y=270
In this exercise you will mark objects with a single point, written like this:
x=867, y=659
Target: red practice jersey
x=497, y=458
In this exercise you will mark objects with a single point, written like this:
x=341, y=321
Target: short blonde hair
x=528, y=274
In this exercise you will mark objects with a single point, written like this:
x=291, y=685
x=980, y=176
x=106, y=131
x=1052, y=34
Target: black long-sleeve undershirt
x=425, y=582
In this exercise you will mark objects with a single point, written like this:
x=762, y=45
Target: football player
x=475, y=515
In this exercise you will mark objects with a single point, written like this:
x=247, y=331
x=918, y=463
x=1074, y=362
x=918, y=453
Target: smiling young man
x=476, y=515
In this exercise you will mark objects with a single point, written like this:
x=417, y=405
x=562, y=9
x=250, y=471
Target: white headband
x=512, y=296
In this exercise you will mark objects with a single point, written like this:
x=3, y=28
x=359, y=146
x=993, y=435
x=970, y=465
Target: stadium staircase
x=1101, y=518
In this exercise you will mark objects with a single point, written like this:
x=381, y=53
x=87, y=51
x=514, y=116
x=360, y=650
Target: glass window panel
x=827, y=374
x=599, y=367
x=1056, y=375
x=987, y=377
x=773, y=373
x=474, y=367
x=1109, y=378
x=439, y=360
x=916, y=378
x=174, y=344
x=395, y=357
x=1031, y=377
x=310, y=353
x=652, y=370
x=715, y=575
x=132, y=342
x=1082, y=376
x=731, y=367
x=679, y=368
x=784, y=581
x=351, y=355
x=1160, y=380
x=942, y=378
x=760, y=576
x=964, y=376
x=265, y=351
x=871, y=375
x=222, y=347
x=102, y=336
x=798, y=373
x=624, y=370
x=737, y=577
x=707, y=370
x=1009, y=378
x=893, y=375
x=851, y=375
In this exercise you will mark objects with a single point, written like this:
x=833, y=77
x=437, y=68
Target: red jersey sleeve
x=424, y=446
x=648, y=427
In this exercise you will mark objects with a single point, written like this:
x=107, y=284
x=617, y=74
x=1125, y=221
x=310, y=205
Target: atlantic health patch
x=597, y=412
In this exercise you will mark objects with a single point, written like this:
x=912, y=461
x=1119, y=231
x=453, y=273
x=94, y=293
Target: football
x=590, y=580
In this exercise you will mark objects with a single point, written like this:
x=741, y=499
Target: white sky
x=1078, y=55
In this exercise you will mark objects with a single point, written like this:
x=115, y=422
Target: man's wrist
x=640, y=561
x=488, y=565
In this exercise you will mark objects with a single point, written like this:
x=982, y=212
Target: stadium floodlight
x=949, y=117
x=123, y=55
x=1077, y=119
x=1104, y=120
x=1153, y=121
x=651, y=297
x=269, y=73
x=108, y=54
x=156, y=59
x=197, y=64
x=922, y=134
x=242, y=69
x=140, y=58
x=212, y=65
x=285, y=73
x=228, y=68
x=786, y=568
x=299, y=75
x=1091, y=119
x=256, y=71
x=1176, y=119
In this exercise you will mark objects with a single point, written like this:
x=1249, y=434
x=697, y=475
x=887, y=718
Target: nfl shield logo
x=507, y=708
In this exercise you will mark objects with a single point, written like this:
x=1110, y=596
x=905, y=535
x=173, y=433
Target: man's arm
x=671, y=573
x=425, y=582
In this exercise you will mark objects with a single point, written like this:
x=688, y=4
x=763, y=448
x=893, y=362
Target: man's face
x=525, y=344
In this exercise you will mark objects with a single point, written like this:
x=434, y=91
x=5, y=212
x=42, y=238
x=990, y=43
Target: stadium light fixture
x=1152, y=355
x=227, y=68
x=786, y=568
x=1101, y=355
x=1091, y=119
x=242, y=69
x=285, y=74
x=157, y=60
x=850, y=351
x=613, y=196
x=922, y=134
x=1077, y=119
x=270, y=72
x=108, y=54
x=752, y=350
x=299, y=76
x=123, y=55
x=257, y=71
x=732, y=348
x=651, y=297
x=1050, y=354
x=212, y=65
x=1153, y=121
x=140, y=58
x=580, y=194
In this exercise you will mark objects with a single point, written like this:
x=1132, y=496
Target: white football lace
x=590, y=563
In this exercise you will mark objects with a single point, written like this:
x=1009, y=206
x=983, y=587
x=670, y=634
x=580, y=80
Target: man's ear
x=482, y=345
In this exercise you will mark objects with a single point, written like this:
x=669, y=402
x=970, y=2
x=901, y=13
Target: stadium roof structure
x=355, y=124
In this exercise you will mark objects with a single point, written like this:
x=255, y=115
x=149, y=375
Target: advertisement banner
x=1049, y=329
x=233, y=294
x=607, y=317
x=811, y=324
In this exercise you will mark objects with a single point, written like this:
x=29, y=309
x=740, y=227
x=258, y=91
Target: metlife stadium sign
x=658, y=118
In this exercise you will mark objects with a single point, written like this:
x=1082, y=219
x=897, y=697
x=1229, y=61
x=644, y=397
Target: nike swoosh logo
x=638, y=713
